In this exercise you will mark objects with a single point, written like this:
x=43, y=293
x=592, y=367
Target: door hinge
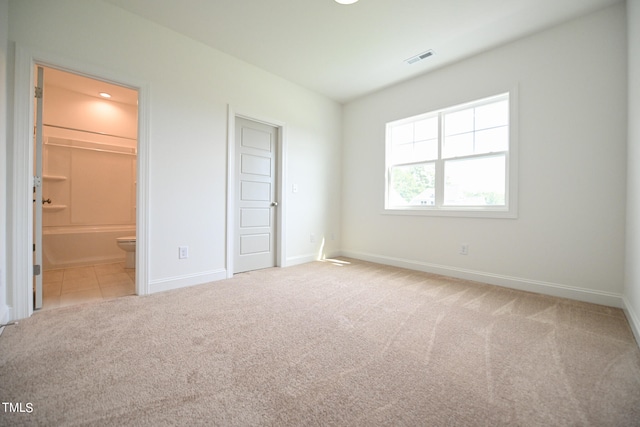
x=36, y=270
x=37, y=181
x=38, y=92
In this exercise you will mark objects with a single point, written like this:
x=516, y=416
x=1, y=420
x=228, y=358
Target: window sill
x=498, y=213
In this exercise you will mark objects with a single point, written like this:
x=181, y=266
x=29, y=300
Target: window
x=453, y=161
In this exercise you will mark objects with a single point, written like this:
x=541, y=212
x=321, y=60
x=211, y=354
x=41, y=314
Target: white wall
x=4, y=45
x=569, y=237
x=632, y=277
x=191, y=86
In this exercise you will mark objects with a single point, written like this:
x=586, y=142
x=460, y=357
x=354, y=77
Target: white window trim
x=511, y=191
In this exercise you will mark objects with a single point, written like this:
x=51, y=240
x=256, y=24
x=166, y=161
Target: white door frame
x=20, y=216
x=231, y=187
x=38, y=188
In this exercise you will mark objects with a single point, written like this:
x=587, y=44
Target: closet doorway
x=86, y=148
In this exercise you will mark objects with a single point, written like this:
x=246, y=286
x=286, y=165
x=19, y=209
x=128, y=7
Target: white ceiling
x=345, y=51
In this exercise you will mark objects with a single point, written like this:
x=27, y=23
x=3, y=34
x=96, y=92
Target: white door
x=37, y=195
x=256, y=205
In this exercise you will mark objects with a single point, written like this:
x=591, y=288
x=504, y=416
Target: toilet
x=128, y=244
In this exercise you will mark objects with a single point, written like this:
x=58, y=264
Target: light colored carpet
x=325, y=344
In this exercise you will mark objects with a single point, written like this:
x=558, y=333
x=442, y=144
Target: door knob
x=274, y=204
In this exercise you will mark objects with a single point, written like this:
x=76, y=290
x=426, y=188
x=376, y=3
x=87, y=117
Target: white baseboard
x=303, y=259
x=5, y=316
x=300, y=259
x=547, y=288
x=186, y=281
x=633, y=318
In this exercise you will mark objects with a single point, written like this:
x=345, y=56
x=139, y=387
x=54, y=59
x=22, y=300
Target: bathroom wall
x=89, y=178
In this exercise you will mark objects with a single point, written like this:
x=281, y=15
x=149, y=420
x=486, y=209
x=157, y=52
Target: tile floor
x=61, y=288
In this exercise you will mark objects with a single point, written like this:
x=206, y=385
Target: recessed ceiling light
x=105, y=95
x=346, y=1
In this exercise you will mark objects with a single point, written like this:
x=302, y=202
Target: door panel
x=255, y=196
x=256, y=165
x=256, y=191
x=256, y=138
x=252, y=217
x=254, y=244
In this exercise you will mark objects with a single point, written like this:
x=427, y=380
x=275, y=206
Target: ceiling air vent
x=419, y=57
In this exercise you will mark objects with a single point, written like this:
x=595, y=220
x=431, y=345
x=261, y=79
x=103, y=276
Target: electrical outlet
x=464, y=249
x=183, y=252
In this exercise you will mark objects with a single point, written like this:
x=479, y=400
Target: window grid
x=425, y=199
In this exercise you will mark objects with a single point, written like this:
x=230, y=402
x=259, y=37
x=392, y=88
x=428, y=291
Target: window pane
x=402, y=134
x=426, y=129
x=492, y=140
x=414, y=152
x=458, y=145
x=492, y=115
x=475, y=182
x=458, y=122
x=402, y=153
x=425, y=150
x=412, y=185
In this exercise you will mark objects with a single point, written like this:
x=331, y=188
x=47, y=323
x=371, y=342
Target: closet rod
x=88, y=131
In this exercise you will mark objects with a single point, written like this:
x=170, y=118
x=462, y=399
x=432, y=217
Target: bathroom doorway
x=87, y=226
